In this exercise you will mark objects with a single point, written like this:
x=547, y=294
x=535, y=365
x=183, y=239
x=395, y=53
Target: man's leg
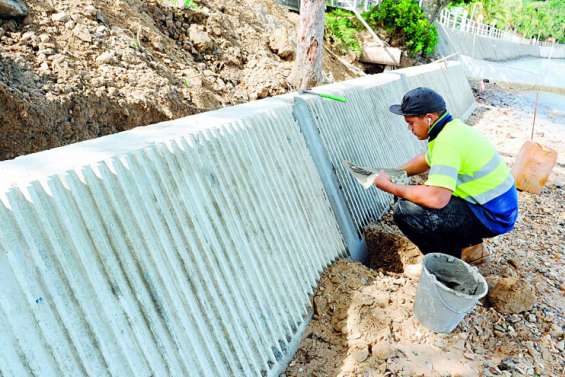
x=446, y=230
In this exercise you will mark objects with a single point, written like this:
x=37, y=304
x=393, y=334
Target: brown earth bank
x=79, y=69
x=363, y=322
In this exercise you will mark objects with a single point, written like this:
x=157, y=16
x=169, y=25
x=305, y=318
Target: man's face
x=418, y=125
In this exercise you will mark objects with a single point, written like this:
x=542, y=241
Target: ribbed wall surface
x=194, y=256
x=448, y=79
x=364, y=131
x=480, y=47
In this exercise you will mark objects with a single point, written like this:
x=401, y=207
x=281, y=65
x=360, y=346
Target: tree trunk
x=432, y=8
x=307, y=70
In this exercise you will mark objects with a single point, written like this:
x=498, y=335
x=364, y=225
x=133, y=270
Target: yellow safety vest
x=464, y=161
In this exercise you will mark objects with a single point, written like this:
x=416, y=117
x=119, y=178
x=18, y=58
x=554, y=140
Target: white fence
x=460, y=21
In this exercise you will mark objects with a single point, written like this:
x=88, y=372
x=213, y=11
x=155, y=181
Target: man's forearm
x=427, y=196
x=415, y=166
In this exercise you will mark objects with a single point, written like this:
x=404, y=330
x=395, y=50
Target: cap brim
x=396, y=109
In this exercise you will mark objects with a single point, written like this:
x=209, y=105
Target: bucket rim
x=482, y=279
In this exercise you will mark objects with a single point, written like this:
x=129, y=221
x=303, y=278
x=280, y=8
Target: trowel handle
x=332, y=97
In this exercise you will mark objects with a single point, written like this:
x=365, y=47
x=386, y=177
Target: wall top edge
x=35, y=166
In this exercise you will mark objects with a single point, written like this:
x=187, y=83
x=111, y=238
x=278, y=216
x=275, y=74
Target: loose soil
x=363, y=322
x=79, y=69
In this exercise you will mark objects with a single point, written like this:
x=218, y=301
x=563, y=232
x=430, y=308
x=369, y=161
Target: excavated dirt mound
x=78, y=69
x=389, y=250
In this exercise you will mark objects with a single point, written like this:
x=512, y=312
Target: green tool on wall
x=324, y=95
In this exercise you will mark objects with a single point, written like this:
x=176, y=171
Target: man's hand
x=427, y=196
x=382, y=181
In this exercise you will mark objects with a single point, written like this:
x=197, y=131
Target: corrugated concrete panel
x=480, y=47
x=448, y=79
x=188, y=248
x=364, y=131
x=553, y=52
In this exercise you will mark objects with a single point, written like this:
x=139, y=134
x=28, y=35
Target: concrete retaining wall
x=188, y=248
x=192, y=247
x=479, y=47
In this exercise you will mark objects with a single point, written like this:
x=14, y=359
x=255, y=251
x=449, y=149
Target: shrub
x=341, y=30
x=405, y=20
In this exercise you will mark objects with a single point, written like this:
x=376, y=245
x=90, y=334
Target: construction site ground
x=363, y=322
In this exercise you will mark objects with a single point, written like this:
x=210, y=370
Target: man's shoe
x=475, y=254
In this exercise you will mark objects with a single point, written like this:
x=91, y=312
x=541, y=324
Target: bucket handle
x=449, y=306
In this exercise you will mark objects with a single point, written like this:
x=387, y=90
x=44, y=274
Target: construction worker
x=469, y=193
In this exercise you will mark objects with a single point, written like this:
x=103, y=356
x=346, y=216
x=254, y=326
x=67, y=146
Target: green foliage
x=189, y=4
x=405, y=20
x=531, y=19
x=186, y=4
x=341, y=29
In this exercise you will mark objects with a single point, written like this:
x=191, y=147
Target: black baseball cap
x=419, y=101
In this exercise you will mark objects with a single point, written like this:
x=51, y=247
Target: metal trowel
x=366, y=176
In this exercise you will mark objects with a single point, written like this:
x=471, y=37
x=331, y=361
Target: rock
x=13, y=8
x=44, y=37
x=107, y=57
x=27, y=36
x=361, y=355
x=511, y=295
x=381, y=351
x=507, y=364
x=90, y=11
x=47, y=52
x=555, y=331
x=320, y=305
x=158, y=45
x=199, y=38
x=280, y=44
x=60, y=17
x=82, y=33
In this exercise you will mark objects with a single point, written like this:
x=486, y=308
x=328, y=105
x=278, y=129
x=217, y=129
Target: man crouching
x=469, y=194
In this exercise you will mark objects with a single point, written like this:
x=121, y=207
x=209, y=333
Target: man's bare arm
x=416, y=165
x=427, y=196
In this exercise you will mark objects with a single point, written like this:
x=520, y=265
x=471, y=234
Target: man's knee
x=404, y=210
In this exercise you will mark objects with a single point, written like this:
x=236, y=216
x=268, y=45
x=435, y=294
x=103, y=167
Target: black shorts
x=446, y=230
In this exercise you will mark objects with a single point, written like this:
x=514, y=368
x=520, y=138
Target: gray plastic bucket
x=448, y=289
